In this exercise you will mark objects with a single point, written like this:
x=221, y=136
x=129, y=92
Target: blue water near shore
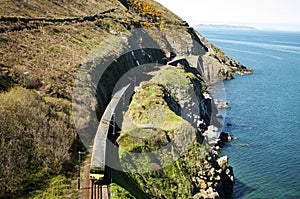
x=265, y=156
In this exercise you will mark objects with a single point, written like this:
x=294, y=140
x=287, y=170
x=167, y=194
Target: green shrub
x=34, y=139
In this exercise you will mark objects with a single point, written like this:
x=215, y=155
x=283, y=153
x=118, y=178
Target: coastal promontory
x=47, y=47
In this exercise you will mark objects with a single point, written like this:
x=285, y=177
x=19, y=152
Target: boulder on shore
x=223, y=162
x=225, y=137
x=221, y=104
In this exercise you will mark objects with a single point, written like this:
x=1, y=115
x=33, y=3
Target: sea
x=264, y=113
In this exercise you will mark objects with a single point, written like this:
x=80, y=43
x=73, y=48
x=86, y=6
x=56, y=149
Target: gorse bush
x=145, y=9
x=34, y=139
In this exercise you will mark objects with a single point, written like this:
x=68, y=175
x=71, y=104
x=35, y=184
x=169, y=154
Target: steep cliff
x=65, y=52
x=164, y=124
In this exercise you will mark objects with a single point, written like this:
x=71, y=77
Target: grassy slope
x=50, y=53
x=53, y=8
x=44, y=56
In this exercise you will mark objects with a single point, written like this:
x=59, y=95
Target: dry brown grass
x=51, y=53
x=53, y=8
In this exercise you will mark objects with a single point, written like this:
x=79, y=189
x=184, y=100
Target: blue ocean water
x=265, y=111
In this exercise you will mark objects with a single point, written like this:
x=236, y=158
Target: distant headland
x=224, y=26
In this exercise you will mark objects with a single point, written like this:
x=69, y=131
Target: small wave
x=289, y=43
x=254, y=53
x=282, y=48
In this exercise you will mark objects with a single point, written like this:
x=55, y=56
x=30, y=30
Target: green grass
x=176, y=77
x=125, y=186
x=171, y=181
x=149, y=107
x=119, y=192
x=59, y=187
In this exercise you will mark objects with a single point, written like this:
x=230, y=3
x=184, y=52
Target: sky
x=263, y=14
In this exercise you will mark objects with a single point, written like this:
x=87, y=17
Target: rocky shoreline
x=216, y=180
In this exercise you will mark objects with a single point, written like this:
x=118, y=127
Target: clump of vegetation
x=119, y=192
x=58, y=188
x=149, y=107
x=150, y=14
x=172, y=181
x=31, y=138
x=146, y=24
x=145, y=9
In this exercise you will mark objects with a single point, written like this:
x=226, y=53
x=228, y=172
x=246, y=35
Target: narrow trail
x=84, y=192
x=13, y=24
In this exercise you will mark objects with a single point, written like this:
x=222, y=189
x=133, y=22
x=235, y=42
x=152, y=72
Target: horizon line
x=258, y=26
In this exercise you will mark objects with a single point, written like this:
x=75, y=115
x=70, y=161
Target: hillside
x=46, y=46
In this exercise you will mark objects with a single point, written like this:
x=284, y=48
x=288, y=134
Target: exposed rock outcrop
x=216, y=180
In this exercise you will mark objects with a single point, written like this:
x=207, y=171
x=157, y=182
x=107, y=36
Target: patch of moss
x=176, y=77
x=172, y=181
x=149, y=107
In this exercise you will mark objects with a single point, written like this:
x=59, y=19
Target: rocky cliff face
x=82, y=51
x=176, y=113
x=139, y=46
